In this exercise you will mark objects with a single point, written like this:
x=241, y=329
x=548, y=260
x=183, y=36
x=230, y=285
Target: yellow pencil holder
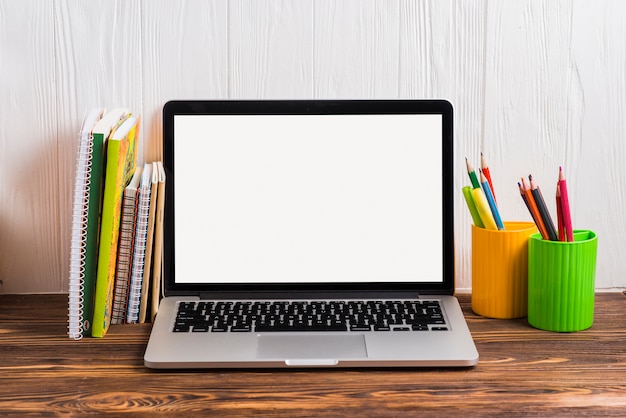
x=500, y=270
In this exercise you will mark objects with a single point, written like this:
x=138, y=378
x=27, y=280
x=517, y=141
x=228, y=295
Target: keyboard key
x=360, y=328
x=419, y=327
x=200, y=328
x=241, y=328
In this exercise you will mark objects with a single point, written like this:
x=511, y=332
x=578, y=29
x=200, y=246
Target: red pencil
x=559, y=213
x=485, y=169
x=567, y=217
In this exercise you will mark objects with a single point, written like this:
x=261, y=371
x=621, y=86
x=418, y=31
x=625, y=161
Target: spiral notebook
x=309, y=234
x=80, y=292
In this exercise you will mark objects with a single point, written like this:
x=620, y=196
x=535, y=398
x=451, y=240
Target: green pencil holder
x=561, y=282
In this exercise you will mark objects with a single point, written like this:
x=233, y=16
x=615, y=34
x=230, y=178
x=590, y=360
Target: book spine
x=138, y=264
x=157, y=266
x=147, y=271
x=120, y=166
x=124, y=257
x=93, y=230
x=78, y=244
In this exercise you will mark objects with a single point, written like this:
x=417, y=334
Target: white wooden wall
x=535, y=84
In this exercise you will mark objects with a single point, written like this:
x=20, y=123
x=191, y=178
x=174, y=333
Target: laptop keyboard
x=290, y=316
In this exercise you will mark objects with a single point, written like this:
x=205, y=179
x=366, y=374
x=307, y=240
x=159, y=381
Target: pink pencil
x=567, y=216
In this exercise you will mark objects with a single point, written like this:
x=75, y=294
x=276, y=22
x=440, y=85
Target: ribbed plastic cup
x=561, y=282
x=500, y=270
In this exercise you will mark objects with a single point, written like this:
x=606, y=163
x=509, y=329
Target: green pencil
x=472, y=175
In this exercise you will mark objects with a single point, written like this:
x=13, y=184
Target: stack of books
x=116, y=244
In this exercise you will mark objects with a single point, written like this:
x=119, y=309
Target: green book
x=121, y=162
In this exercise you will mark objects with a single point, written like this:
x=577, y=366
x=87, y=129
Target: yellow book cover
x=121, y=162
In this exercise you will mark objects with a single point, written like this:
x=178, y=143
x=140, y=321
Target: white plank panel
x=535, y=85
x=528, y=72
x=270, y=49
x=30, y=258
x=537, y=104
x=425, y=49
x=356, y=50
x=184, y=57
x=466, y=90
x=442, y=56
x=595, y=153
x=524, y=61
x=98, y=63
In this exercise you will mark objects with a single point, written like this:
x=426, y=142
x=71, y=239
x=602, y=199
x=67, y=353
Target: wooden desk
x=522, y=371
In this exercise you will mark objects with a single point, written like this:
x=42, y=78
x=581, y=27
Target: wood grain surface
x=522, y=372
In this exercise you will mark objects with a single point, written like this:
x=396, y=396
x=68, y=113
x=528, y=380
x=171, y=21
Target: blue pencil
x=491, y=201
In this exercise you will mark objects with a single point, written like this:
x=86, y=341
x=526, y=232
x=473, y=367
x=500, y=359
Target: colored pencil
x=567, y=217
x=487, y=173
x=543, y=210
x=491, y=201
x=472, y=174
x=559, y=213
x=521, y=192
x=534, y=212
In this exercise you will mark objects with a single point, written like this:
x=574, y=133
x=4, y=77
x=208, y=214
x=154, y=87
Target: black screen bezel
x=313, y=107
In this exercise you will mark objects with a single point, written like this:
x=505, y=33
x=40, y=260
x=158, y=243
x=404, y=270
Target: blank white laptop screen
x=308, y=198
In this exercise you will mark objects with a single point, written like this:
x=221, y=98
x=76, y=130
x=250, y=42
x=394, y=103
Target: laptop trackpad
x=311, y=347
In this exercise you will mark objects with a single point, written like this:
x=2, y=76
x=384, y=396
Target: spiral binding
x=138, y=264
x=78, y=247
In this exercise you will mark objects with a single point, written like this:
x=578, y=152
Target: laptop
x=309, y=233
